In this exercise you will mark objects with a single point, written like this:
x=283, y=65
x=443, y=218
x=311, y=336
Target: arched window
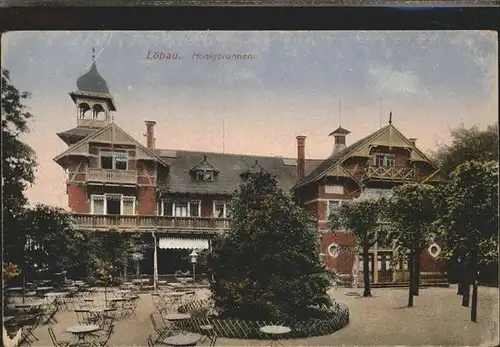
x=83, y=108
x=98, y=109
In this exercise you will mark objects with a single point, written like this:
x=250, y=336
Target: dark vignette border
x=249, y=18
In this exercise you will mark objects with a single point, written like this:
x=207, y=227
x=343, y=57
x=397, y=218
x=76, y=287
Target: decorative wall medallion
x=434, y=250
x=333, y=250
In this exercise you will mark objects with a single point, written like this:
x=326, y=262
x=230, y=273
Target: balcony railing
x=91, y=123
x=148, y=223
x=112, y=176
x=392, y=173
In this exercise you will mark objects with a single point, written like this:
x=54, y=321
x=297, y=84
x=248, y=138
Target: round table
x=55, y=294
x=82, y=330
x=122, y=292
x=275, y=331
x=182, y=340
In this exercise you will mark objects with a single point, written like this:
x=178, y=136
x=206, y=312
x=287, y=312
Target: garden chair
x=130, y=306
x=110, y=313
x=29, y=324
x=103, y=337
x=82, y=316
x=209, y=333
x=158, y=302
x=55, y=342
x=162, y=332
x=49, y=313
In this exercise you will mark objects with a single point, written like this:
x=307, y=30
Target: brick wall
x=344, y=262
x=146, y=196
x=77, y=198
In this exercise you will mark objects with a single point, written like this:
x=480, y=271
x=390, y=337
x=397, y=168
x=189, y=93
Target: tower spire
x=390, y=117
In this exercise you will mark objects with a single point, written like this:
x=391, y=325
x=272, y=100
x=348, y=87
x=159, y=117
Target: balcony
x=191, y=225
x=91, y=123
x=112, y=176
x=387, y=173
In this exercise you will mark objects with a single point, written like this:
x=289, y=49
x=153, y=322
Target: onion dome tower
x=94, y=105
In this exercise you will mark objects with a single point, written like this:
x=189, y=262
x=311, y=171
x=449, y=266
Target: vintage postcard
x=250, y=188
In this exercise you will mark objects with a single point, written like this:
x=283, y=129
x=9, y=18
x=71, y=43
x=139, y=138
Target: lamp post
x=194, y=259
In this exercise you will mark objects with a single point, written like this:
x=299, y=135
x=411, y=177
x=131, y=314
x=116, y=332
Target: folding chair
x=55, y=342
x=150, y=342
x=50, y=313
x=161, y=332
x=82, y=316
x=209, y=332
x=28, y=328
x=103, y=338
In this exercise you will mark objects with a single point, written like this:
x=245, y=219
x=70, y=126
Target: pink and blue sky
x=431, y=81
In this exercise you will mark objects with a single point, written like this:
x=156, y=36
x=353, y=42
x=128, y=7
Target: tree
x=52, y=243
x=469, y=224
x=267, y=266
x=18, y=168
x=468, y=144
x=362, y=218
x=412, y=212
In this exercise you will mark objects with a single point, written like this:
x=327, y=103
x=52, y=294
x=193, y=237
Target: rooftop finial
x=340, y=105
x=390, y=117
x=93, y=54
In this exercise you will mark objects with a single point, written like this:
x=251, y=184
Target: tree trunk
x=416, y=276
x=473, y=313
x=366, y=271
x=465, y=285
x=411, y=268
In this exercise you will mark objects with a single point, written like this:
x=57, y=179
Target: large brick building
x=180, y=198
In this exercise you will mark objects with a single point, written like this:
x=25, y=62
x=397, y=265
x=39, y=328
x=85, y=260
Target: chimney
x=150, y=134
x=339, y=136
x=413, y=141
x=301, y=157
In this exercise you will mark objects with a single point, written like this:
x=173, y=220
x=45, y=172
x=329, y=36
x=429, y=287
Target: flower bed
x=202, y=313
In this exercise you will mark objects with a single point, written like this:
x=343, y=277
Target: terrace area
x=382, y=320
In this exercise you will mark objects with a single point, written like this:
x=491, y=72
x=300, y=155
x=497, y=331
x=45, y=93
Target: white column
x=155, y=262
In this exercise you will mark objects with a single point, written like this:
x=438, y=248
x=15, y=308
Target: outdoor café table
x=275, y=331
x=29, y=307
x=175, y=317
x=82, y=330
x=42, y=290
x=122, y=292
x=182, y=340
x=55, y=294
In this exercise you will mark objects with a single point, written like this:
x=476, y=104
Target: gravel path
x=382, y=320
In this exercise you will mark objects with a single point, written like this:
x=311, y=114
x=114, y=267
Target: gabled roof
x=115, y=128
x=205, y=166
x=254, y=169
x=230, y=167
x=340, y=157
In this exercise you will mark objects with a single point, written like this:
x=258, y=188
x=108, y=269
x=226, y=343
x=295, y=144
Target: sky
x=297, y=83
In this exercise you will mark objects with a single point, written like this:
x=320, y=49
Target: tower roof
x=92, y=81
x=339, y=131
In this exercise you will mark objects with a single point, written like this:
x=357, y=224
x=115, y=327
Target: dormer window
x=204, y=175
x=204, y=171
x=387, y=160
